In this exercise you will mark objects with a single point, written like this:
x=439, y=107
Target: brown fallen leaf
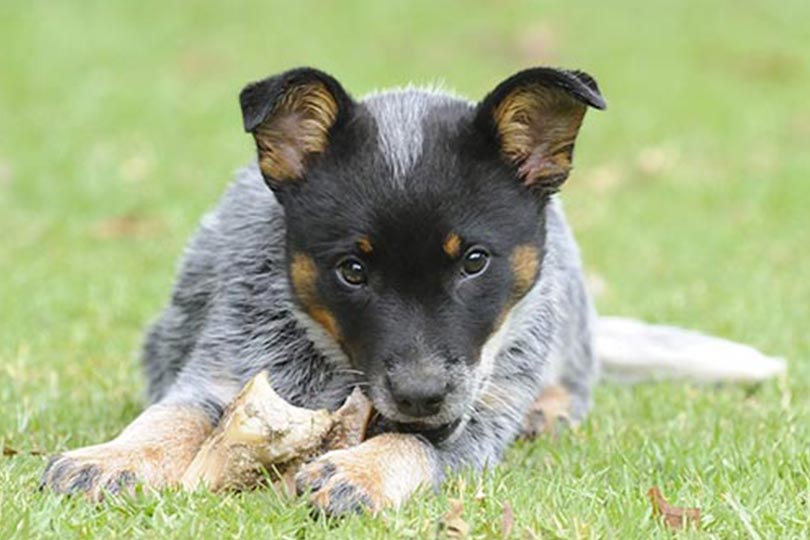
x=605, y=178
x=9, y=451
x=261, y=434
x=507, y=521
x=655, y=160
x=452, y=523
x=766, y=66
x=675, y=517
x=127, y=226
x=538, y=43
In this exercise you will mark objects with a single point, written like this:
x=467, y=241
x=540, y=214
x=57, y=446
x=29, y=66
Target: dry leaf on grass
x=9, y=451
x=605, y=178
x=538, y=43
x=260, y=433
x=675, y=517
x=507, y=521
x=127, y=226
x=655, y=160
x=452, y=523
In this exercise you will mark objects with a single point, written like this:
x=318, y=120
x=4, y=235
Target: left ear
x=292, y=117
x=534, y=117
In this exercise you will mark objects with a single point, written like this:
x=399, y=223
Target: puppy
x=409, y=243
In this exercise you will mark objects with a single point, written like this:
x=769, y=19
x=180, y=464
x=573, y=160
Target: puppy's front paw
x=337, y=484
x=383, y=471
x=94, y=470
x=154, y=449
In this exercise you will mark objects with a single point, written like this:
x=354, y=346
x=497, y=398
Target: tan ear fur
x=297, y=128
x=537, y=127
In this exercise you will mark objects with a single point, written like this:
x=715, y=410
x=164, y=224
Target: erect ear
x=533, y=117
x=291, y=117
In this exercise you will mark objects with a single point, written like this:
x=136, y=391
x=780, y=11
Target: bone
x=262, y=437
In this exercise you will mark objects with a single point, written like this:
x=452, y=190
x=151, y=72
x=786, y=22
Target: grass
x=119, y=127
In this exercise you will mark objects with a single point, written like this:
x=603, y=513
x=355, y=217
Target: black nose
x=423, y=397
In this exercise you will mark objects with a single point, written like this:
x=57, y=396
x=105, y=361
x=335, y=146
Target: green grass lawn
x=119, y=126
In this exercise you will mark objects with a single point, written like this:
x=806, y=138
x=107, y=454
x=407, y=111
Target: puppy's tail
x=633, y=350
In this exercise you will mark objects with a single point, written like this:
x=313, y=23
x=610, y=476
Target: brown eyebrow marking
x=365, y=244
x=452, y=245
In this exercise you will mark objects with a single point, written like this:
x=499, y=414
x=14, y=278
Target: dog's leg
x=381, y=472
x=154, y=449
x=551, y=408
x=385, y=470
x=573, y=368
x=563, y=403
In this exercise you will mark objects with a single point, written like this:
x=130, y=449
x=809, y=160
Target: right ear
x=292, y=117
x=533, y=118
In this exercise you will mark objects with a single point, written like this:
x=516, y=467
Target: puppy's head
x=415, y=220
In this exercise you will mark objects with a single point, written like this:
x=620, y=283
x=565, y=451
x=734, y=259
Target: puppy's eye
x=475, y=261
x=352, y=272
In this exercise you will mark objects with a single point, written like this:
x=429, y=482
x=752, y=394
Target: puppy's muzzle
x=418, y=396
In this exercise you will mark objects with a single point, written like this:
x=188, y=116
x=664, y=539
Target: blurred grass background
x=119, y=126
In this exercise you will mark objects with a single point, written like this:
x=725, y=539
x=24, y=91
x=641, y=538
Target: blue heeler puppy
x=410, y=243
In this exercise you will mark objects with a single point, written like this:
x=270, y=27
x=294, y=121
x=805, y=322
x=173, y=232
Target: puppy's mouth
x=436, y=428
x=433, y=433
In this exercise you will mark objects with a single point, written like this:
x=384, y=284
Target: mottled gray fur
x=232, y=314
x=399, y=116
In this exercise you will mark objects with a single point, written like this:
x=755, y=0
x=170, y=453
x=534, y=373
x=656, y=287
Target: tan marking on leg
x=155, y=449
x=552, y=406
x=383, y=471
x=452, y=245
x=365, y=245
x=304, y=275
